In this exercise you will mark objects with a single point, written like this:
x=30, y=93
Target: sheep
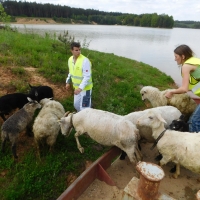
x=181, y=149
x=169, y=113
x=10, y=102
x=17, y=123
x=177, y=125
x=46, y=123
x=105, y=128
x=180, y=124
x=40, y=92
x=183, y=102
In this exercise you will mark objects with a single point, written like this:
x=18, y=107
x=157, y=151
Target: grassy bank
x=117, y=83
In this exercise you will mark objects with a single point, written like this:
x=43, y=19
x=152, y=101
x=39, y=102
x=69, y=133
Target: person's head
x=75, y=49
x=182, y=53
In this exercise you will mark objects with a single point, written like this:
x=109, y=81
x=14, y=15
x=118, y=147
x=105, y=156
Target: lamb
x=183, y=102
x=10, y=102
x=180, y=124
x=105, y=128
x=17, y=123
x=46, y=123
x=182, y=150
x=169, y=113
x=40, y=92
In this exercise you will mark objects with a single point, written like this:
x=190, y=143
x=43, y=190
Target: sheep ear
x=67, y=113
x=160, y=118
x=29, y=99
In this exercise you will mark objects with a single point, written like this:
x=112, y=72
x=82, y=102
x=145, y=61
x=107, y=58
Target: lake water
x=153, y=46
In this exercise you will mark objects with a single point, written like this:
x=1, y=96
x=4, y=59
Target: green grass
x=117, y=83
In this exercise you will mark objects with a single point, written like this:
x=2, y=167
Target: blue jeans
x=194, y=121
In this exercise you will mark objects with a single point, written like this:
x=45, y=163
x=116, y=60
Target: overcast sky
x=179, y=9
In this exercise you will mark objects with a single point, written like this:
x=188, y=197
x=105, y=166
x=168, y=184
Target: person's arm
x=186, y=69
x=68, y=81
x=86, y=75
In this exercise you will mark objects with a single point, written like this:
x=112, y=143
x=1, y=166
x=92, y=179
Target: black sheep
x=10, y=102
x=180, y=124
x=40, y=92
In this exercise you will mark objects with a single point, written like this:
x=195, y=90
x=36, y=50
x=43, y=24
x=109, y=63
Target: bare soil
x=24, y=20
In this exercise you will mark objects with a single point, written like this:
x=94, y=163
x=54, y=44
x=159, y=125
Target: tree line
x=187, y=24
x=66, y=14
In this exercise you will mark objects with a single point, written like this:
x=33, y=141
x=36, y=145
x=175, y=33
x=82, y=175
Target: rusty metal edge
x=96, y=170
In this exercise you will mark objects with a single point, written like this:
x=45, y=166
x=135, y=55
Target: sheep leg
x=81, y=149
x=132, y=157
x=123, y=155
x=177, y=173
x=14, y=147
x=38, y=149
x=3, y=145
x=164, y=160
x=138, y=153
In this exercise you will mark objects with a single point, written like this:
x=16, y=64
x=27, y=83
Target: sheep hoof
x=175, y=176
x=81, y=149
x=159, y=157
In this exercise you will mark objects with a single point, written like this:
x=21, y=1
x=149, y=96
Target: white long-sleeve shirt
x=86, y=69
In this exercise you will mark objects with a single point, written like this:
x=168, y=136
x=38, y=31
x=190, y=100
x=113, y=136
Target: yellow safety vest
x=194, y=83
x=77, y=72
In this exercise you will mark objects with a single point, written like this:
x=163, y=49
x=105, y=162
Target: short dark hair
x=75, y=44
x=184, y=50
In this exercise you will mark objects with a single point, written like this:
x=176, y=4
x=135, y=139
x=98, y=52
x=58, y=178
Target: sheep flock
x=106, y=128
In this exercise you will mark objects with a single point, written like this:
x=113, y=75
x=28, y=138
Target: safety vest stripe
x=76, y=84
x=77, y=77
x=196, y=87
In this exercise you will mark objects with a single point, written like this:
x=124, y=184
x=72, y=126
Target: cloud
x=179, y=9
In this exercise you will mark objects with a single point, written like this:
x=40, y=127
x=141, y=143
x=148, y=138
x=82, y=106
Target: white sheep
x=105, y=128
x=183, y=102
x=181, y=148
x=46, y=123
x=169, y=113
x=16, y=123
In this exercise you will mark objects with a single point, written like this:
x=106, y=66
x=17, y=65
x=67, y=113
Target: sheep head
x=151, y=119
x=66, y=124
x=146, y=90
x=45, y=100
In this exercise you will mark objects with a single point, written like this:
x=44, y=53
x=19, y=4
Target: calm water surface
x=149, y=45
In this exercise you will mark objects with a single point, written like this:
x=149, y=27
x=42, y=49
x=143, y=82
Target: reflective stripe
x=196, y=87
x=77, y=77
x=77, y=84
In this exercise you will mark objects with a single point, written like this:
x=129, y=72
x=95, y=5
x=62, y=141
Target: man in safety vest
x=80, y=75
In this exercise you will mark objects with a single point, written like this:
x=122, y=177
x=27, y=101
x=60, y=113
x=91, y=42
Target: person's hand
x=168, y=95
x=67, y=86
x=77, y=91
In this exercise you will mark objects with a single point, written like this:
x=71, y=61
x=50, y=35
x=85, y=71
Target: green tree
x=154, y=20
x=3, y=16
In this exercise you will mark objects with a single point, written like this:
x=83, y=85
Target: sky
x=180, y=9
